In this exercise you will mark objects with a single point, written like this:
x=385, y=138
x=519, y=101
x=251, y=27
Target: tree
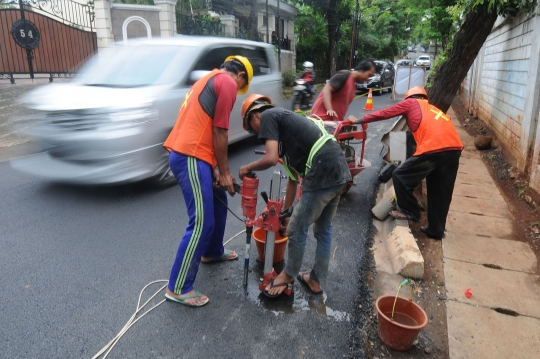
x=336, y=13
x=479, y=16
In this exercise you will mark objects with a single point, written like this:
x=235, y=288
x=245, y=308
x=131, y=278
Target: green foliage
x=442, y=58
x=288, y=77
x=198, y=25
x=312, y=43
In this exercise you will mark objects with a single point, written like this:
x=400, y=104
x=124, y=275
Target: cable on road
x=107, y=348
x=225, y=204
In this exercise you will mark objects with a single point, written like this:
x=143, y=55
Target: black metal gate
x=52, y=37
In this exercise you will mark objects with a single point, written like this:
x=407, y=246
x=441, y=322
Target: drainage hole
x=483, y=235
x=506, y=311
x=477, y=214
x=492, y=266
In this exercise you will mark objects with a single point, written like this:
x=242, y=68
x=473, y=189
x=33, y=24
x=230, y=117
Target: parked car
x=423, y=60
x=383, y=78
x=108, y=125
x=403, y=62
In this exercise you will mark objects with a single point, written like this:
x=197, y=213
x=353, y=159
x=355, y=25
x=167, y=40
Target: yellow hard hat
x=249, y=71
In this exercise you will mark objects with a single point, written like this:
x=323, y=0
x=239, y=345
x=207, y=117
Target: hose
x=107, y=348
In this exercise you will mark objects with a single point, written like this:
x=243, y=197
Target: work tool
x=269, y=220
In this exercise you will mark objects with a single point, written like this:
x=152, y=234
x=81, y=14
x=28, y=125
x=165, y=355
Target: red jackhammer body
x=269, y=219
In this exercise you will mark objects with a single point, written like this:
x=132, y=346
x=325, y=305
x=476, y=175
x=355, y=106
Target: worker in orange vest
x=438, y=148
x=198, y=158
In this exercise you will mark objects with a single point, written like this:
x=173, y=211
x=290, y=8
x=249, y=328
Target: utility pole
x=353, y=37
x=278, y=33
x=267, y=36
x=356, y=25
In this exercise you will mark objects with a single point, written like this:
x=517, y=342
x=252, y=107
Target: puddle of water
x=300, y=300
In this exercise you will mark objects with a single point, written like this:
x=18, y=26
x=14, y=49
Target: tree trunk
x=468, y=41
x=332, y=34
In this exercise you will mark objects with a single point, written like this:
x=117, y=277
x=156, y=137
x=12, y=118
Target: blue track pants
x=207, y=218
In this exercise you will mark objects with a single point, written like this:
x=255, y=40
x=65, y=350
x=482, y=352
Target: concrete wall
x=287, y=60
x=502, y=88
x=117, y=22
x=135, y=28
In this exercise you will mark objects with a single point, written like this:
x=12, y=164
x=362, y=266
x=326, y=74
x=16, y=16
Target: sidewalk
x=502, y=318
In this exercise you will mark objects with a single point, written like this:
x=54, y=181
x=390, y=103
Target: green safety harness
x=314, y=149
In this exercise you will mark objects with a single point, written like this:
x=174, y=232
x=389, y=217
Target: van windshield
x=125, y=66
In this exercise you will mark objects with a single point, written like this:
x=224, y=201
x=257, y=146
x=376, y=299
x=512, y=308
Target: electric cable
x=225, y=204
x=233, y=237
x=107, y=348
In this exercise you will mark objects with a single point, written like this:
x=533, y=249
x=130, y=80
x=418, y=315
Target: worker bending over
x=307, y=151
x=438, y=148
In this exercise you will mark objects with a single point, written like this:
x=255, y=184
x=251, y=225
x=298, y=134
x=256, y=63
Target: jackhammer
x=269, y=220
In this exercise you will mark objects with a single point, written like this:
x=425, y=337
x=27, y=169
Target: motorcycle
x=303, y=98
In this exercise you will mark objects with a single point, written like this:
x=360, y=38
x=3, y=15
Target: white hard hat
x=308, y=65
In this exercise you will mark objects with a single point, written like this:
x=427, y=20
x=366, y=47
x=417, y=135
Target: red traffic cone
x=369, y=102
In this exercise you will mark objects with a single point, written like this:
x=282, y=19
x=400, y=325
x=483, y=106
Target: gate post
x=29, y=55
x=167, y=17
x=102, y=9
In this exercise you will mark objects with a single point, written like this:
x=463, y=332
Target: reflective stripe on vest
x=436, y=131
x=314, y=149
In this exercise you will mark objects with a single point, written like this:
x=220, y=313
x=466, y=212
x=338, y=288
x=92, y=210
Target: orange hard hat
x=416, y=90
x=253, y=102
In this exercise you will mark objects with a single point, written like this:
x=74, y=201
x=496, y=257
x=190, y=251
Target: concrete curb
x=404, y=253
x=395, y=248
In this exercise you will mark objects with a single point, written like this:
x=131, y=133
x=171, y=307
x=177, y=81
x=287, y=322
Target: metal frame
x=78, y=16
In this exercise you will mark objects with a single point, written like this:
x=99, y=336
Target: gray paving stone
x=483, y=206
x=493, y=288
x=466, y=223
x=471, y=153
x=507, y=254
x=475, y=332
x=490, y=192
x=479, y=176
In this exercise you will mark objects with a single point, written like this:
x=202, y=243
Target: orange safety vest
x=436, y=131
x=340, y=101
x=192, y=134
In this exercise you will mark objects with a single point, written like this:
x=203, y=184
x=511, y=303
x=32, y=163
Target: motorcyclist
x=309, y=76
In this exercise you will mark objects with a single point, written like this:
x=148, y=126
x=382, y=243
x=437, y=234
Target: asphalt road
x=74, y=260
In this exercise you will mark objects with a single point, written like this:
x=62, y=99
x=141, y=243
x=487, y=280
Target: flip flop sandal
x=287, y=285
x=183, y=300
x=223, y=258
x=398, y=215
x=301, y=279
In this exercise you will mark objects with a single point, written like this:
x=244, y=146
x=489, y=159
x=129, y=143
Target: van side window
x=215, y=57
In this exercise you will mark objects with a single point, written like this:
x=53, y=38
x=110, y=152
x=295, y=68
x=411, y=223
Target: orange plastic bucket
x=409, y=319
x=279, y=247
